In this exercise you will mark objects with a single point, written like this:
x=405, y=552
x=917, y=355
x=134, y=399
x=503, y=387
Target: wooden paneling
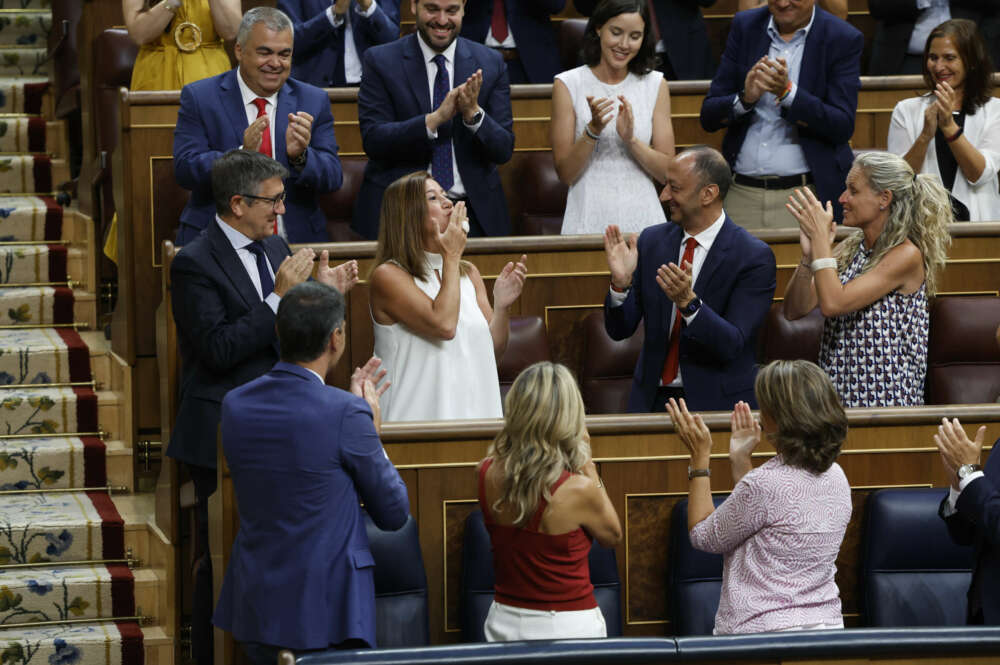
x=644, y=467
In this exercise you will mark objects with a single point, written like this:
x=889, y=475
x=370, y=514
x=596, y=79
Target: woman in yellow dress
x=180, y=41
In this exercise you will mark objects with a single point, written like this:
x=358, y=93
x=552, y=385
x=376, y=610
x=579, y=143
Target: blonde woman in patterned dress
x=874, y=286
x=780, y=530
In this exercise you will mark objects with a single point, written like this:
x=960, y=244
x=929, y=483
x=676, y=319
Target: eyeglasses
x=273, y=200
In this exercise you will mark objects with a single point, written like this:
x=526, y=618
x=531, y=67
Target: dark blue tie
x=266, y=283
x=441, y=155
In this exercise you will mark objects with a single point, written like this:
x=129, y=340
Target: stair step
x=18, y=6
x=24, y=61
x=104, y=642
x=28, y=94
x=73, y=592
x=45, y=263
x=50, y=463
x=25, y=28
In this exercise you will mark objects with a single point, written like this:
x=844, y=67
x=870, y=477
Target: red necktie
x=498, y=24
x=674, y=351
x=652, y=21
x=265, y=139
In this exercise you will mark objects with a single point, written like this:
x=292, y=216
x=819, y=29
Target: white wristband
x=820, y=264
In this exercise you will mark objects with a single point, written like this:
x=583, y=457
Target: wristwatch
x=966, y=470
x=300, y=161
x=691, y=307
x=698, y=473
x=476, y=118
x=747, y=105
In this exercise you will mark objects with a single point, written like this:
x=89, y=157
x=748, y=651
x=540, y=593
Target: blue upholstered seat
x=695, y=578
x=401, y=618
x=477, y=581
x=912, y=572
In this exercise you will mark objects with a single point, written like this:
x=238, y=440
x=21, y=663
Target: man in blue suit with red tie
x=701, y=286
x=331, y=37
x=258, y=107
x=303, y=456
x=436, y=101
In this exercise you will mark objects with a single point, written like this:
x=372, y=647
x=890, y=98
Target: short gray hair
x=273, y=19
x=241, y=172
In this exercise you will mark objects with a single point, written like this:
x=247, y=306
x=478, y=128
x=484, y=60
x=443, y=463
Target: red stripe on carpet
x=53, y=219
x=132, y=649
x=79, y=354
x=36, y=134
x=86, y=410
x=112, y=525
x=43, y=174
x=122, y=590
x=95, y=473
x=57, y=263
x=62, y=307
x=33, y=94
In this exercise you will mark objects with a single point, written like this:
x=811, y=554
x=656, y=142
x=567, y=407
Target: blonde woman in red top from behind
x=543, y=504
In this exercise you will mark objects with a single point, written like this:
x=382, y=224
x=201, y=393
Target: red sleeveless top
x=535, y=570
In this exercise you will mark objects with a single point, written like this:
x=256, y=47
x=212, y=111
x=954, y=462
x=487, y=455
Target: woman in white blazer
x=953, y=131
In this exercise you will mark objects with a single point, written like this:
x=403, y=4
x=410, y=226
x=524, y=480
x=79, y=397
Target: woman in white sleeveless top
x=611, y=131
x=435, y=330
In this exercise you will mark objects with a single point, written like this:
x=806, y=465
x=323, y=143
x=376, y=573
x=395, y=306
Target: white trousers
x=505, y=623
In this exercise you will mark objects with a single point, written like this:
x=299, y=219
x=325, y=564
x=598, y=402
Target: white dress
x=982, y=129
x=440, y=379
x=613, y=189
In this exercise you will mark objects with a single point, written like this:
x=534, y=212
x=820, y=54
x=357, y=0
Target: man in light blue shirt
x=786, y=91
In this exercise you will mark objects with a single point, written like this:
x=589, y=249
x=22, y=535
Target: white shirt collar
x=236, y=238
x=314, y=373
x=249, y=95
x=772, y=29
x=706, y=238
x=429, y=53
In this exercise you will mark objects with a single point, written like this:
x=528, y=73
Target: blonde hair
x=920, y=211
x=810, y=419
x=400, y=228
x=543, y=435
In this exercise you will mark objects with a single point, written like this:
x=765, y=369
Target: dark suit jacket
x=684, y=35
x=211, y=120
x=530, y=21
x=319, y=47
x=896, y=19
x=977, y=522
x=303, y=456
x=736, y=285
x=225, y=332
x=394, y=98
x=825, y=102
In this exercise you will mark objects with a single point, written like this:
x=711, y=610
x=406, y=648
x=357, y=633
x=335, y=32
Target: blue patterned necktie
x=266, y=282
x=441, y=152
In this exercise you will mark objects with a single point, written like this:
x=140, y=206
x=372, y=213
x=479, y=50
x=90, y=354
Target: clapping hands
x=509, y=283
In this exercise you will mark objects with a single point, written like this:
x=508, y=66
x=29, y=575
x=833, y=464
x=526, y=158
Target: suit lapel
x=465, y=64
x=232, y=101
x=287, y=103
x=716, y=256
x=416, y=73
x=671, y=252
x=808, y=73
x=231, y=265
x=763, y=40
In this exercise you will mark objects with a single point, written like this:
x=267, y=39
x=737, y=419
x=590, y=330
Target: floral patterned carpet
x=59, y=598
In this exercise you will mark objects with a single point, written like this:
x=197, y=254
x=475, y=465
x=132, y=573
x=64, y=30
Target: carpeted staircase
x=73, y=534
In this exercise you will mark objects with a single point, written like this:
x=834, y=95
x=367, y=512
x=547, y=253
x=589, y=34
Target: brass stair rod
x=65, y=384
x=130, y=562
x=110, y=489
x=51, y=435
x=65, y=622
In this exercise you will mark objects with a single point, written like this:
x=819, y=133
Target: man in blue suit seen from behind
x=258, y=107
x=303, y=456
x=700, y=284
x=439, y=102
x=786, y=92
x=521, y=31
x=331, y=37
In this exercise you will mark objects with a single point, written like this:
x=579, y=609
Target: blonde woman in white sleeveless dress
x=435, y=330
x=611, y=131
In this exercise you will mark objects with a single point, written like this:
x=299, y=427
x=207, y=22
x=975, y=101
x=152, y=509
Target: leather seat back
x=912, y=572
x=608, y=366
x=963, y=357
x=526, y=345
x=401, y=618
x=695, y=578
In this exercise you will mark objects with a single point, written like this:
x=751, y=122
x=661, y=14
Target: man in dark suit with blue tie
x=521, y=31
x=439, y=101
x=331, y=37
x=303, y=456
x=257, y=107
x=786, y=92
x=226, y=287
x=700, y=284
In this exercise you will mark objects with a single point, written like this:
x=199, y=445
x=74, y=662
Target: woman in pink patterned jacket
x=781, y=528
